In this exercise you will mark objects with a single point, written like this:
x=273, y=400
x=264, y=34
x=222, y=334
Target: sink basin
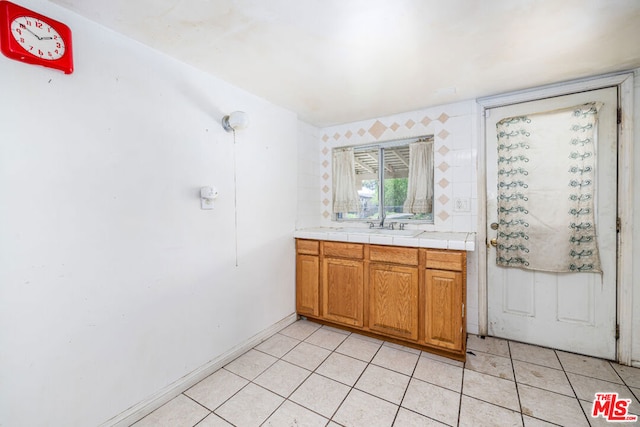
x=380, y=231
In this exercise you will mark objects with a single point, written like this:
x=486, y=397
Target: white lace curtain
x=345, y=193
x=420, y=186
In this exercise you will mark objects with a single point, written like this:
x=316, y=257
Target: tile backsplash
x=455, y=153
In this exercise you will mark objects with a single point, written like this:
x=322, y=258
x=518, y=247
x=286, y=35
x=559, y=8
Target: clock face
x=38, y=38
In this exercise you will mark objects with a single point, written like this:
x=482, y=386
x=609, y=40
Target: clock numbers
x=38, y=38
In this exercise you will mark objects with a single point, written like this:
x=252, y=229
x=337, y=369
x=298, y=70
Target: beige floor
x=308, y=375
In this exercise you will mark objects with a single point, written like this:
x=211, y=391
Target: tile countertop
x=422, y=239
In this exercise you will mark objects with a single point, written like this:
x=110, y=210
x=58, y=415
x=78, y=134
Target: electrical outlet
x=461, y=204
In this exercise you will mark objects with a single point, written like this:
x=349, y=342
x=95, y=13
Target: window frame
x=381, y=147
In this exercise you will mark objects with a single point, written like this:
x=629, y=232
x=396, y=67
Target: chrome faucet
x=382, y=220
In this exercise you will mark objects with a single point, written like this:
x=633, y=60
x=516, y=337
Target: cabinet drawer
x=406, y=256
x=344, y=250
x=309, y=247
x=446, y=260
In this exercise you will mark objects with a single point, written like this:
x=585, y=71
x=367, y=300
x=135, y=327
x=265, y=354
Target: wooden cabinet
x=443, y=311
x=343, y=283
x=343, y=291
x=308, y=277
x=444, y=321
x=393, y=300
x=394, y=291
x=407, y=295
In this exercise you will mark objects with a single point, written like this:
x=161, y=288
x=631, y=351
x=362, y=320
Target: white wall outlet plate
x=461, y=204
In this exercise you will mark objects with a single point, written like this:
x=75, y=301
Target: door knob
x=494, y=242
x=494, y=225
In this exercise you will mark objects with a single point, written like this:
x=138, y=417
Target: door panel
x=569, y=311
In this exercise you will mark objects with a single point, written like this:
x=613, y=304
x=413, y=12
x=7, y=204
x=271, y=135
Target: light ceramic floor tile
x=342, y=368
x=178, y=412
x=278, y=345
x=307, y=356
x=435, y=402
x=534, y=354
x=534, y=422
x=363, y=410
x=214, y=421
x=491, y=389
x=214, y=390
x=426, y=386
x=358, y=348
x=396, y=360
x=495, y=346
x=250, y=406
x=251, y=364
x=320, y=394
x=552, y=407
x=438, y=373
x=542, y=377
x=442, y=359
x=384, y=383
x=490, y=364
x=300, y=330
x=292, y=415
x=406, y=418
x=629, y=374
x=326, y=338
x=476, y=413
x=587, y=387
x=282, y=378
x=588, y=366
x=401, y=347
x=338, y=330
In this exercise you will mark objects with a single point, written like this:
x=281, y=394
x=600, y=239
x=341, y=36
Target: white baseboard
x=158, y=399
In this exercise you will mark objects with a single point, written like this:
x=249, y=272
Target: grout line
x=572, y=388
x=515, y=380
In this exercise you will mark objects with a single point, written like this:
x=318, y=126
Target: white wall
x=308, y=176
x=113, y=282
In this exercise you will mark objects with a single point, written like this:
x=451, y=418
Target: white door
x=575, y=312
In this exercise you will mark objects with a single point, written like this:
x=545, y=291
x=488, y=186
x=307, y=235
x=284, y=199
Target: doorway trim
x=624, y=285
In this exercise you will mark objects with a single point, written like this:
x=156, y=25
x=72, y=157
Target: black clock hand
x=37, y=36
x=46, y=38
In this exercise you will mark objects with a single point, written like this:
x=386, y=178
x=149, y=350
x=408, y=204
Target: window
x=401, y=190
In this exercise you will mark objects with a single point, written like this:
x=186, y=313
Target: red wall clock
x=33, y=38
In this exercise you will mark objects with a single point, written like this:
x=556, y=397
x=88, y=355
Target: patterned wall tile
x=443, y=134
x=377, y=129
x=443, y=199
x=443, y=118
x=408, y=125
x=443, y=150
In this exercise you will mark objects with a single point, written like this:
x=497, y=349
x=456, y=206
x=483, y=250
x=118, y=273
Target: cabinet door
x=393, y=300
x=343, y=291
x=443, y=309
x=308, y=285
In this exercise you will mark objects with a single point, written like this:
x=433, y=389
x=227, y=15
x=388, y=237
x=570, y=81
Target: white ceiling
x=338, y=61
